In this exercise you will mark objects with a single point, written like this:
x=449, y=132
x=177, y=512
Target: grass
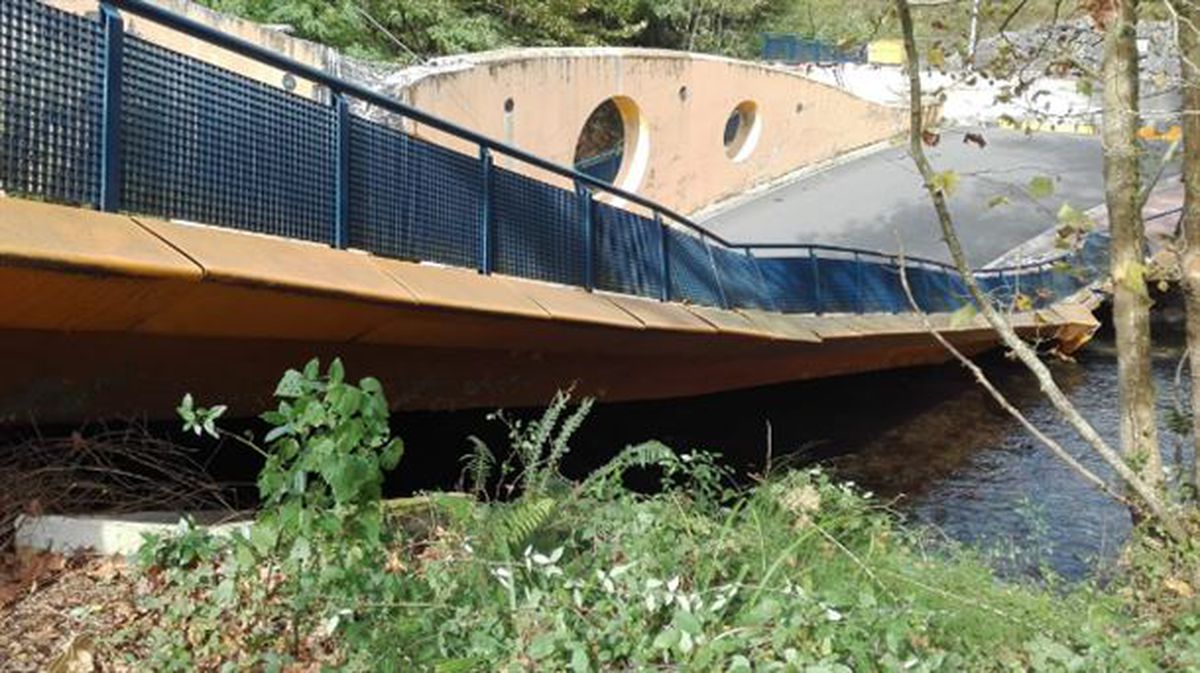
x=797, y=573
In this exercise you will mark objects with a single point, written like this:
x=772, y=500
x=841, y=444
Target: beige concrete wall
x=304, y=51
x=676, y=104
x=687, y=166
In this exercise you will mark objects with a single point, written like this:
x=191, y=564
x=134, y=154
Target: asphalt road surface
x=866, y=201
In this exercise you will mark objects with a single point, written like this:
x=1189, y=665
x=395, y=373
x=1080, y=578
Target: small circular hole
x=684, y=93
x=799, y=108
x=509, y=105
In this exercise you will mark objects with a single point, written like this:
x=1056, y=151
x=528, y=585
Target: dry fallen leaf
x=75, y=658
x=1179, y=587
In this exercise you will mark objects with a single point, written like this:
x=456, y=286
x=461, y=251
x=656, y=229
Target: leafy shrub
x=795, y=574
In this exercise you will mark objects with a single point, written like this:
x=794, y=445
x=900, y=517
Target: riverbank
x=799, y=573
x=527, y=570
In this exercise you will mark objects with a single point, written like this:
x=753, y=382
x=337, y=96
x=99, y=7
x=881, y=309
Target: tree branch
x=1007, y=334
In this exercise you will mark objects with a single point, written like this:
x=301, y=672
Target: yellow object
x=886, y=52
x=1031, y=125
x=1171, y=134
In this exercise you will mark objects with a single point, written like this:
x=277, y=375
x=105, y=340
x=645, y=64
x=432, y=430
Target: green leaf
x=542, y=646
x=391, y=455
x=291, y=385
x=337, y=373
x=312, y=370
x=963, y=316
x=1041, y=186
x=579, y=660
x=668, y=639
x=347, y=478
x=185, y=407
x=370, y=385
x=936, y=57
x=1070, y=216
x=946, y=182
x=277, y=432
x=688, y=623
x=998, y=200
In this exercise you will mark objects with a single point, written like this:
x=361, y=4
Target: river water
x=968, y=469
x=928, y=440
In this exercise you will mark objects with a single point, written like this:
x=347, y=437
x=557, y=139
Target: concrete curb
x=118, y=533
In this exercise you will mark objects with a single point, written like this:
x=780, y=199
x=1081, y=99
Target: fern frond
x=478, y=465
x=537, y=434
x=647, y=454
x=522, y=520
x=549, y=467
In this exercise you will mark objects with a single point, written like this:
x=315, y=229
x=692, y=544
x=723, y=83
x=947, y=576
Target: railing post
x=859, y=302
x=589, y=236
x=664, y=250
x=899, y=286
x=486, y=244
x=712, y=260
x=762, y=280
x=816, y=272
x=110, y=136
x=341, y=197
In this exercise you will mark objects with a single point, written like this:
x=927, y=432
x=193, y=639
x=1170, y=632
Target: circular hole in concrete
x=742, y=130
x=613, y=144
x=684, y=93
x=509, y=105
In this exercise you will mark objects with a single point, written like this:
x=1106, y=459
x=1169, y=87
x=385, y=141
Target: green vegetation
x=795, y=574
x=400, y=30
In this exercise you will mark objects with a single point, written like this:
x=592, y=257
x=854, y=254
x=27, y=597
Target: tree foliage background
x=401, y=30
x=437, y=27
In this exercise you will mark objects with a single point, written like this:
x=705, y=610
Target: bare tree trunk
x=1144, y=491
x=1122, y=186
x=1188, y=30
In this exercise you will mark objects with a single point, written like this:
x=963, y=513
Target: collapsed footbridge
x=171, y=225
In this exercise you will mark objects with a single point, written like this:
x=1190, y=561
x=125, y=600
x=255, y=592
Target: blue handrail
x=246, y=48
x=415, y=189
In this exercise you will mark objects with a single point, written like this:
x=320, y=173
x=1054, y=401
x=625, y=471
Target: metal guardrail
x=144, y=129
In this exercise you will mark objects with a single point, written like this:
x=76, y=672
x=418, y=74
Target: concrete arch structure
x=683, y=102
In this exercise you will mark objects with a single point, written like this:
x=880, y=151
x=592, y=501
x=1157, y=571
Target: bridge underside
x=109, y=315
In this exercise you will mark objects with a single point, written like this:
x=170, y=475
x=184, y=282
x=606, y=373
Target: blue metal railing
x=792, y=49
x=144, y=129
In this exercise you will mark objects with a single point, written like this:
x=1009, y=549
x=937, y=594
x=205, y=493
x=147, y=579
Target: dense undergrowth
x=527, y=571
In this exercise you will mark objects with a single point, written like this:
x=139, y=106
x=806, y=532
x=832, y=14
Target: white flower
x=504, y=575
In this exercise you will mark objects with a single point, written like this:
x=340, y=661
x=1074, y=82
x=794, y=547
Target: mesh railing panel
x=200, y=143
x=203, y=144
x=50, y=103
x=882, y=291
x=740, y=279
x=628, y=252
x=538, y=228
x=411, y=199
x=839, y=279
x=789, y=280
x=692, y=277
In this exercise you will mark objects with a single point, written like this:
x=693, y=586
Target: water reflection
x=929, y=438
